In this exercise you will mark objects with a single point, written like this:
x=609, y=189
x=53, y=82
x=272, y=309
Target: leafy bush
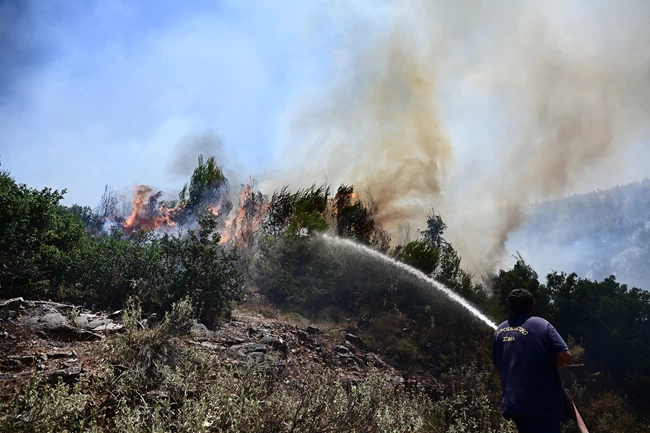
x=159, y=270
x=470, y=401
x=36, y=238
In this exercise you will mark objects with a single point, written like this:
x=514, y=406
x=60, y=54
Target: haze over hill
x=602, y=233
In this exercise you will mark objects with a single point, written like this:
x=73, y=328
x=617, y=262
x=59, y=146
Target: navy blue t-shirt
x=524, y=349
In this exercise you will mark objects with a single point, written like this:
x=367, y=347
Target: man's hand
x=563, y=358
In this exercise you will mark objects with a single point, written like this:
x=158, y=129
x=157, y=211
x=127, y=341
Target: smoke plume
x=207, y=143
x=563, y=94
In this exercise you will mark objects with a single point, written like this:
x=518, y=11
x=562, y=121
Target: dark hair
x=520, y=301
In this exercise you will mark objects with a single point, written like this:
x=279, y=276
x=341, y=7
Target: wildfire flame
x=241, y=227
x=146, y=213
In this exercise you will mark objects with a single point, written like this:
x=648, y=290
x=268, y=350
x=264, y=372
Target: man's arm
x=563, y=358
x=559, y=346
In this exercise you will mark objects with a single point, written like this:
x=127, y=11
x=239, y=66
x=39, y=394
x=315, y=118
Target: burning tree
x=208, y=190
x=356, y=219
x=147, y=213
x=242, y=229
x=302, y=211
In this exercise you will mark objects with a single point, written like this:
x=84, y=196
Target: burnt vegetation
x=194, y=259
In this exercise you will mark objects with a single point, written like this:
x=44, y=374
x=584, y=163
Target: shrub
x=36, y=238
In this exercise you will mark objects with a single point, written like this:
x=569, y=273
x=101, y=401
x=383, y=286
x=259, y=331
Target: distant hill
x=602, y=233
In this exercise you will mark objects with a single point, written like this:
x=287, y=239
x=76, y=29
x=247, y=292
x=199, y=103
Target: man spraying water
x=527, y=351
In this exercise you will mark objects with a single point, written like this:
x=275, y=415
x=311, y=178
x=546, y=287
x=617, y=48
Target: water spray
x=417, y=273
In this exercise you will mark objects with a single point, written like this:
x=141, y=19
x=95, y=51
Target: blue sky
x=103, y=91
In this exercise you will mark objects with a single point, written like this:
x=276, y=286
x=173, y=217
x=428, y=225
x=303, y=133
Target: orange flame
x=146, y=213
x=241, y=227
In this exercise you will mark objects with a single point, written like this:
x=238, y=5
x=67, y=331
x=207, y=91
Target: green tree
x=421, y=255
x=36, y=237
x=298, y=213
x=610, y=320
x=521, y=276
x=208, y=188
x=435, y=229
x=196, y=266
x=94, y=223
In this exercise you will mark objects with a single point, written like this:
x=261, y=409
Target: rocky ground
x=56, y=341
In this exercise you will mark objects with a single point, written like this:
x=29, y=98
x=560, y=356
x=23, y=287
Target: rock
x=70, y=363
x=73, y=334
x=311, y=329
x=341, y=349
x=250, y=348
x=199, y=329
x=276, y=343
x=357, y=341
x=12, y=303
x=98, y=322
x=68, y=375
x=110, y=328
x=349, y=359
x=233, y=341
x=256, y=357
x=17, y=362
x=53, y=321
x=31, y=321
x=55, y=325
x=212, y=346
x=116, y=315
x=376, y=361
x=82, y=320
x=67, y=332
x=51, y=305
x=60, y=355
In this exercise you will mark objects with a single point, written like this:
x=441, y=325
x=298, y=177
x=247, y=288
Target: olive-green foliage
x=521, y=276
x=36, y=238
x=470, y=401
x=607, y=318
x=160, y=270
x=197, y=267
x=356, y=219
x=45, y=252
x=298, y=212
x=208, y=187
x=311, y=274
x=421, y=255
x=142, y=349
x=92, y=220
x=105, y=270
x=206, y=176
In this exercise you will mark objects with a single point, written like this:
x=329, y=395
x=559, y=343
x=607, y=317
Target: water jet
x=413, y=271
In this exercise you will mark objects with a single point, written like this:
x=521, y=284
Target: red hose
x=573, y=413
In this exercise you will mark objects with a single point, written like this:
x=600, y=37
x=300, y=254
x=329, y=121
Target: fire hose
x=572, y=413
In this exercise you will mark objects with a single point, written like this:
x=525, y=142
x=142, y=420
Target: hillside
x=75, y=370
x=253, y=373
x=596, y=235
